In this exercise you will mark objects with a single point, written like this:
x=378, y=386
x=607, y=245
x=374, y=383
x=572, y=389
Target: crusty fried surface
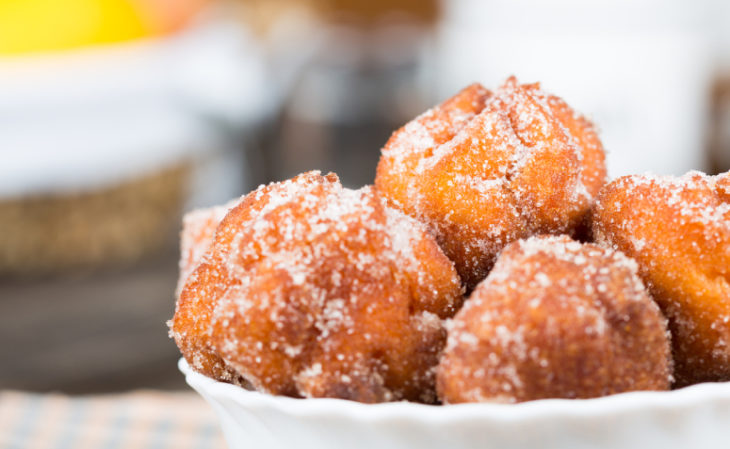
x=313, y=290
x=196, y=237
x=678, y=229
x=555, y=319
x=484, y=169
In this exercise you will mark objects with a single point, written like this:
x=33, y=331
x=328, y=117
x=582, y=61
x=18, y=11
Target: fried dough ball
x=196, y=237
x=314, y=290
x=190, y=326
x=555, y=319
x=678, y=230
x=482, y=170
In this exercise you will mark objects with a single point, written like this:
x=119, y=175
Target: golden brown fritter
x=482, y=170
x=314, y=290
x=193, y=313
x=678, y=230
x=419, y=138
x=196, y=237
x=555, y=319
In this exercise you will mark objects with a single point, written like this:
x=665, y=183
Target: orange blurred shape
x=166, y=16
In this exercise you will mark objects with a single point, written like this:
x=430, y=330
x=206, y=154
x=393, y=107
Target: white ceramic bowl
x=693, y=417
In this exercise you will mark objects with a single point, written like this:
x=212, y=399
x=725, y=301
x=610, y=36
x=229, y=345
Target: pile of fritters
x=491, y=200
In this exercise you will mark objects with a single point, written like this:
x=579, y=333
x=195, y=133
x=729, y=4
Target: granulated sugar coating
x=314, y=290
x=196, y=237
x=555, y=319
x=484, y=169
x=678, y=230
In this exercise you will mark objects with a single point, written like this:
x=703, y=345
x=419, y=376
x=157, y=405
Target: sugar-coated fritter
x=555, y=319
x=193, y=314
x=678, y=230
x=484, y=169
x=314, y=290
x=196, y=237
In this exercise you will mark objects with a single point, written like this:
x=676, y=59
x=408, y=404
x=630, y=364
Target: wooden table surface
x=91, y=332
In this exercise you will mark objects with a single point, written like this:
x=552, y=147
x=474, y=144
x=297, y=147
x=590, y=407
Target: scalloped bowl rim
x=686, y=397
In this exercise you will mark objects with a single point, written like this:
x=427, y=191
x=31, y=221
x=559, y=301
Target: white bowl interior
x=696, y=416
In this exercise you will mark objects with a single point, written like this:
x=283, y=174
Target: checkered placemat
x=144, y=419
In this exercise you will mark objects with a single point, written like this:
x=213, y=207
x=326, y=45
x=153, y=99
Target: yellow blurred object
x=29, y=26
x=33, y=26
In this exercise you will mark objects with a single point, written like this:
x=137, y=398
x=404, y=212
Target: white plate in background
x=92, y=117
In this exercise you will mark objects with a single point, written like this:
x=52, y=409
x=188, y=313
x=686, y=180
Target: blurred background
x=118, y=115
